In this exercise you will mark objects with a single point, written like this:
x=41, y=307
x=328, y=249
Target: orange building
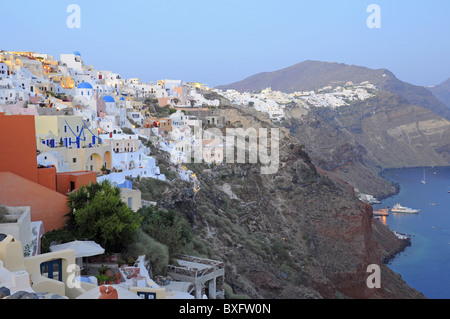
x=163, y=101
x=18, y=146
x=68, y=182
x=163, y=124
x=45, y=204
x=23, y=183
x=47, y=177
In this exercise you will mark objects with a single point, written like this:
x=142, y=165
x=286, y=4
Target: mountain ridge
x=442, y=92
x=312, y=75
x=353, y=142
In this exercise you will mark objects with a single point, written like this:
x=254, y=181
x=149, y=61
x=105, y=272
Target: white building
x=4, y=73
x=110, y=79
x=179, y=119
x=136, y=117
x=85, y=92
x=110, y=104
x=129, y=159
x=54, y=158
x=170, y=85
x=73, y=61
x=103, y=89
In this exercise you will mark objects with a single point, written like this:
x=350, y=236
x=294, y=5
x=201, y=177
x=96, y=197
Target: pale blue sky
x=219, y=42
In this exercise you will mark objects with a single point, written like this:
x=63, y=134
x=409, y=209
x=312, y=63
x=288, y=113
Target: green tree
x=166, y=227
x=98, y=213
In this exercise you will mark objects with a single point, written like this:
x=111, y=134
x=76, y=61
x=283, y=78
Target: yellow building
x=131, y=197
x=70, y=131
x=53, y=273
x=80, y=146
x=66, y=81
x=85, y=159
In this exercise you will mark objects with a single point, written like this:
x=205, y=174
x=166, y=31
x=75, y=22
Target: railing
x=194, y=272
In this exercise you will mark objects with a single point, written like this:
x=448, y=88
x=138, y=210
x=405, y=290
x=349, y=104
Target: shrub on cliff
x=156, y=253
x=166, y=227
x=98, y=213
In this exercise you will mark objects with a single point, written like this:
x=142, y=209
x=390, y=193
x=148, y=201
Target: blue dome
x=85, y=85
x=122, y=98
x=77, y=53
x=109, y=99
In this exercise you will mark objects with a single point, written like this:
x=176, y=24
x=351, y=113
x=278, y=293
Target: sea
x=425, y=265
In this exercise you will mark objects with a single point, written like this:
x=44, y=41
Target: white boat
x=424, y=181
x=405, y=210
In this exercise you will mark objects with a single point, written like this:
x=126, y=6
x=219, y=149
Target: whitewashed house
x=72, y=61
x=130, y=159
x=4, y=72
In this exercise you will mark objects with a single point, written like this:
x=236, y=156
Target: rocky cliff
x=292, y=234
x=402, y=125
x=357, y=141
x=442, y=92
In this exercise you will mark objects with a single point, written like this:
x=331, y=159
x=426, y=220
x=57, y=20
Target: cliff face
x=403, y=125
x=355, y=142
x=442, y=92
x=293, y=234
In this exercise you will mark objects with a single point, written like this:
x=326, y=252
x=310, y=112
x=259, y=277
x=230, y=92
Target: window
x=65, y=128
x=146, y=295
x=74, y=160
x=52, y=269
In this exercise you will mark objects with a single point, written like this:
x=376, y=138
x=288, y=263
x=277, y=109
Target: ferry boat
x=382, y=212
x=406, y=210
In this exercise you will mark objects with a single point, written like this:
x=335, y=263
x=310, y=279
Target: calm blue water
x=425, y=265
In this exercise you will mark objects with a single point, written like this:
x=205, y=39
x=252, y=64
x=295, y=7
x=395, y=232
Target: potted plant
x=131, y=261
x=118, y=278
x=121, y=262
x=102, y=279
x=110, y=281
x=103, y=269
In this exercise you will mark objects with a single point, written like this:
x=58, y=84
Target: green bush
x=151, y=189
x=168, y=173
x=279, y=252
x=156, y=253
x=199, y=247
x=167, y=227
x=98, y=213
x=60, y=236
x=229, y=294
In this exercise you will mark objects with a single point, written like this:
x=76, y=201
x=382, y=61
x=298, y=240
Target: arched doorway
x=107, y=159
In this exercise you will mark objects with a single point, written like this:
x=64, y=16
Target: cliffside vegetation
x=294, y=234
